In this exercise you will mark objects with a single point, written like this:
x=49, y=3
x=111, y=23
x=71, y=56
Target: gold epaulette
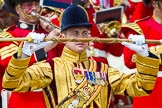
x=133, y=26
x=5, y=34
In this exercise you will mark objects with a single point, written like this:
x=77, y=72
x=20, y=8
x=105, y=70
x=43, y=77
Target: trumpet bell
x=113, y=28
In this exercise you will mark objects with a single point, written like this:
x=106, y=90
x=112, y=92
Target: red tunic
x=137, y=10
x=33, y=99
x=114, y=49
x=151, y=30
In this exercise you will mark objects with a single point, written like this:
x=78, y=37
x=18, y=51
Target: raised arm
x=140, y=83
x=18, y=77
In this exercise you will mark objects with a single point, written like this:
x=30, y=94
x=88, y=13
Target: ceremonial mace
x=94, y=39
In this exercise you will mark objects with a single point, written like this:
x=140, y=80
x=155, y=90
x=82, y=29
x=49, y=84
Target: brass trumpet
x=46, y=10
x=111, y=29
x=54, y=10
x=42, y=18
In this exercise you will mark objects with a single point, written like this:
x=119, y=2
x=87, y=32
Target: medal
x=87, y=76
x=94, y=77
x=90, y=77
x=98, y=78
x=102, y=81
x=78, y=75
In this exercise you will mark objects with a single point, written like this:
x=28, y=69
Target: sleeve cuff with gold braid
x=147, y=64
x=19, y=65
x=147, y=72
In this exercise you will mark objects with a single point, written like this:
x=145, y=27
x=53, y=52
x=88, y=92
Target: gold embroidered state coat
x=74, y=81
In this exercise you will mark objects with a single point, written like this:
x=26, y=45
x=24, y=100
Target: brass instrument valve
x=112, y=29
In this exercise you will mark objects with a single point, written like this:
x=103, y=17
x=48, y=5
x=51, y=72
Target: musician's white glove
x=138, y=44
x=30, y=48
x=37, y=37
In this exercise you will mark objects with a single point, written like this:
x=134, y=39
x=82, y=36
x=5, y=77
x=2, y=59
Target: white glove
x=30, y=48
x=37, y=37
x=139, y=44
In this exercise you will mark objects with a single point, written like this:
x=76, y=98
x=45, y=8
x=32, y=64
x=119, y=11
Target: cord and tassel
x=19, y=50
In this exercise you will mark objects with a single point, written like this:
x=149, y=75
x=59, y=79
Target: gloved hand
x=138, y=44
x=30, y=48
x=37, y=37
